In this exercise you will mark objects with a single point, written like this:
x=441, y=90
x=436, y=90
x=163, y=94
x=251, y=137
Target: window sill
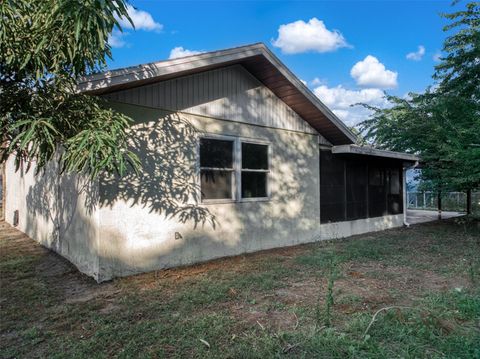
x=231, y=201
x=217, y=201
x=258, y=199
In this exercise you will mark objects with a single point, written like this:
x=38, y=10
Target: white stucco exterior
x=115, y=227
x=58, y=211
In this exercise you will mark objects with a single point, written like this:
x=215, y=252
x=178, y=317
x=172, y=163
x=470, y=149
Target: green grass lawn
x=315, y=300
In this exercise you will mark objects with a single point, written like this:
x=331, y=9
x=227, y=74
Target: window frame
x=232, y=170
x=236, y=171
x=267, y=171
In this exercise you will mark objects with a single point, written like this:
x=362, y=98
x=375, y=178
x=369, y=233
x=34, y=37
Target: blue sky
x=346, y=51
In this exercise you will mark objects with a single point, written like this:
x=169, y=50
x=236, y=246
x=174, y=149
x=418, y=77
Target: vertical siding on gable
x=229, y=93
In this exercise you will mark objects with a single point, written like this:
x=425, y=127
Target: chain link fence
x=451, y=201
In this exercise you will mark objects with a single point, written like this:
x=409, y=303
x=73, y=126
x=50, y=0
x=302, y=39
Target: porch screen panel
x=356, y=186
x=332, y=188
x=377, y=190
x=359, y=187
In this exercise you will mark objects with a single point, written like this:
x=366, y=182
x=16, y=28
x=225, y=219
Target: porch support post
x=439, y=201
x=404, y=190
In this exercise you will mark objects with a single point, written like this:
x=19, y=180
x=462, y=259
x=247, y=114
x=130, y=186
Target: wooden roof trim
x=370, y=151
x=310, y=96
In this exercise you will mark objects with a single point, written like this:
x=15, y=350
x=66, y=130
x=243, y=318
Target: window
x=254, y=170
x=231, y=169
x=216, y=168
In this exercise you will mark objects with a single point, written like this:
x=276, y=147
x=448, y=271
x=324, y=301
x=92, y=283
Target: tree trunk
x=469, y=201
x=439, y=200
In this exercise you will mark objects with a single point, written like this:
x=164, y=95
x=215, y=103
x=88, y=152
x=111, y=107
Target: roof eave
x=310, y=95
x=108, y=80
x=370, y=151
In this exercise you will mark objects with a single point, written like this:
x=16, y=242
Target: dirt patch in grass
x=264, y=318
x=376, y=285
x=302, y=292
x=238, y=265
x=73, y=288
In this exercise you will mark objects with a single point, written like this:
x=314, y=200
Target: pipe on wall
x=405, y=204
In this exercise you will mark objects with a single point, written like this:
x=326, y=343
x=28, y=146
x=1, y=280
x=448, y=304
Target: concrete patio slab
x=415, y=216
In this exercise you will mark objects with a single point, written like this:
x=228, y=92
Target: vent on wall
x=15, y=218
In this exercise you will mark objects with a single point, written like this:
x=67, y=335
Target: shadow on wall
x=148, y=71
x=59, y=205
x=167, y=183
x=166, y=144
x=135, y=241
x=230, y=93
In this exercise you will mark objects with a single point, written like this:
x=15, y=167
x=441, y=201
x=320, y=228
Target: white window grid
x=237, y=170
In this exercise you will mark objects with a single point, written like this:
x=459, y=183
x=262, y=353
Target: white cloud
x=179, y=51
x=418, y=55
x=303, y=82
x=317, y=81
x=436, y=56
x=340, y=101
x=299, y=36
x=372, y=73
x=116, y=39
x=141, y=19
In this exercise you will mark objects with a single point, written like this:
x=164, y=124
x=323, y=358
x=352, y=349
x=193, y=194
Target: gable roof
x=256, y=58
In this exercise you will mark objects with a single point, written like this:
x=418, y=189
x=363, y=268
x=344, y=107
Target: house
x=238, y=156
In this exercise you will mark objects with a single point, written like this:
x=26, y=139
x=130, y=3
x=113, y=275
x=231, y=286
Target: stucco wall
x=141, y=216
x=350, y=228
x=58, y=211
x=146, y=225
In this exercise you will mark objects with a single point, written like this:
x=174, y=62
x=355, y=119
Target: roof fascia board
x=368, y=151
x=161, y=68
x=308, y=93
